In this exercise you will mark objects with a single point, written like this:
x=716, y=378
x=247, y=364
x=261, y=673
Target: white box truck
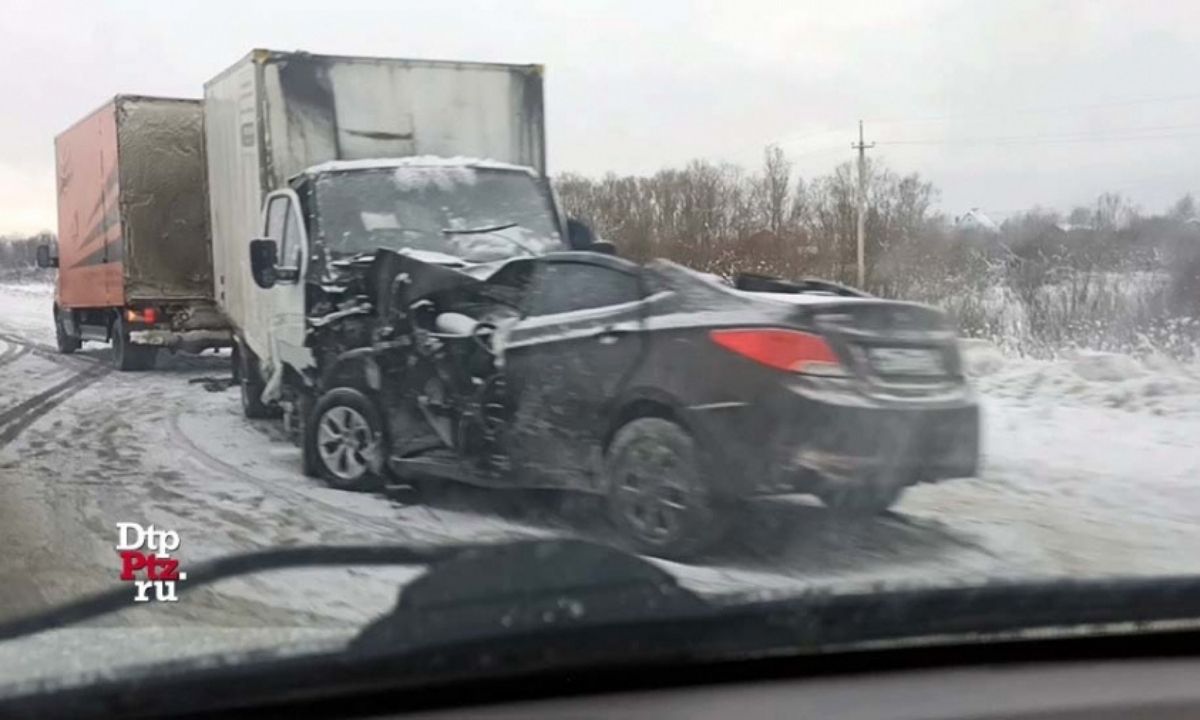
x=320, y=160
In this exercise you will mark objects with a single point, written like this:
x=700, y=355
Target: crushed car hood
x=371, y=274
x=428, y=278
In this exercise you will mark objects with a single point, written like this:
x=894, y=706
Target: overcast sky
x=1003, y=104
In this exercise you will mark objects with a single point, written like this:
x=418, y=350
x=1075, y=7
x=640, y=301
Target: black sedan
x=673, y=393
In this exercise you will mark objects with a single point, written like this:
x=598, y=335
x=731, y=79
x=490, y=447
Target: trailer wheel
x=251, y=384
x=659, y=494
x=345, y=440
x=67, y=343
x=126, y=355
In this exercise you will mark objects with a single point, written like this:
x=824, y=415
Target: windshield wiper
x=479, y=230
x=493, y=229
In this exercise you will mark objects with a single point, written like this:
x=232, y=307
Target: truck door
x=286, y=327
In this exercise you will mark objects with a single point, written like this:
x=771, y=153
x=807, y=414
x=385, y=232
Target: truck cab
x=319, y=234
x=315, y=161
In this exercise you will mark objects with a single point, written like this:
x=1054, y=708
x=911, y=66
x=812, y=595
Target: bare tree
x=774, y=190
x=1184, y=208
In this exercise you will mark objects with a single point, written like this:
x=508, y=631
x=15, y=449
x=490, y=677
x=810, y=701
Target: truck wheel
x=128, y=356
x=251, y=384
x=345, y=440
x=659, y=496
x=235, y=362
x=67, y=344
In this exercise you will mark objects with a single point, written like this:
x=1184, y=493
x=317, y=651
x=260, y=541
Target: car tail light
x=149, y=315
x=789, y=350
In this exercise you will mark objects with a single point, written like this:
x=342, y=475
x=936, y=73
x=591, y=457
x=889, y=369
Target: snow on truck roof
x=417, y=161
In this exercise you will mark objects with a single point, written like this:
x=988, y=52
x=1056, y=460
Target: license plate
x=906, y=361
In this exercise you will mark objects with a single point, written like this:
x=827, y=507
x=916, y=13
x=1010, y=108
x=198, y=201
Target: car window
x=291, y=247
x=277, y=213
x=560, y=287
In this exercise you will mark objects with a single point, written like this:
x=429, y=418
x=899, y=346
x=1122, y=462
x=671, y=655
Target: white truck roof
x=416, y=162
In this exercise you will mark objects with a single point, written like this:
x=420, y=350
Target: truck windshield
x=475, y=214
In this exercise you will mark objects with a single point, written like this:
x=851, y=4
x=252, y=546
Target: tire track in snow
x=51, y=353
x=12, y=351
x=279, y=488
x=17, y=418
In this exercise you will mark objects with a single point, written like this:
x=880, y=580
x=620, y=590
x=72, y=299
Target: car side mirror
x=603, y=246
x=264, y=256
x=579, y=235
x=43, y=257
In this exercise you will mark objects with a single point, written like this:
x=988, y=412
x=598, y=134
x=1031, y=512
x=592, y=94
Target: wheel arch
x=350, y=369
x=653, y=402
x=640, y=404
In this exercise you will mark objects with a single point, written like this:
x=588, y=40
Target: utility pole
x=862, y=148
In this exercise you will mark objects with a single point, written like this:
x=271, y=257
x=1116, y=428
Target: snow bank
x=28, y=308
x=1155, y=384
x=980, y=357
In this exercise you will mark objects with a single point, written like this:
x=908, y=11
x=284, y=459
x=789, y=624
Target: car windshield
x=483, y=326
x=473, y=213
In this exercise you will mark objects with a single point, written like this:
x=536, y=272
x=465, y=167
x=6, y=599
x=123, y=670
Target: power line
x=1160, y=132
x=1055, y=110
x=862, y=148
x=794, y=138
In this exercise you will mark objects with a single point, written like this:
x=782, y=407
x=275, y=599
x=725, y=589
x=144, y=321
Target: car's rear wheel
x=659, y=495
x=344, y=440
x=127, y=355
x=66, y=342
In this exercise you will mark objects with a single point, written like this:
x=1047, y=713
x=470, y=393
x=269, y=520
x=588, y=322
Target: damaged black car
x=673, y=394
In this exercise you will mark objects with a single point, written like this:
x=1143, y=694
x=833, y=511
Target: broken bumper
x=806, y=441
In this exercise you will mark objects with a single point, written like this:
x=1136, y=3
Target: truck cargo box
x=273, y=114
x=132, y=205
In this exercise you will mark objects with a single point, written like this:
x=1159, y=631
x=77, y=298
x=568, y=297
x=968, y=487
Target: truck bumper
x=190, y=341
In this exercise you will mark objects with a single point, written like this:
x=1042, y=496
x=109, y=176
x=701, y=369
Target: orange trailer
x=134, y=250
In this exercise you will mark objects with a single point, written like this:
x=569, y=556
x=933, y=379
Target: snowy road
x=1092, y=467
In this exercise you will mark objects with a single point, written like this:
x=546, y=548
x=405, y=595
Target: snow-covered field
x=1092, y=467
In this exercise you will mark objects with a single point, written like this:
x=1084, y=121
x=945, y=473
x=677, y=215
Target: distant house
x=975, y=219
x=1073, y=227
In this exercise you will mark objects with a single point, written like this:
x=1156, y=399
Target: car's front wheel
x=659, y=494
x=344, y=440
